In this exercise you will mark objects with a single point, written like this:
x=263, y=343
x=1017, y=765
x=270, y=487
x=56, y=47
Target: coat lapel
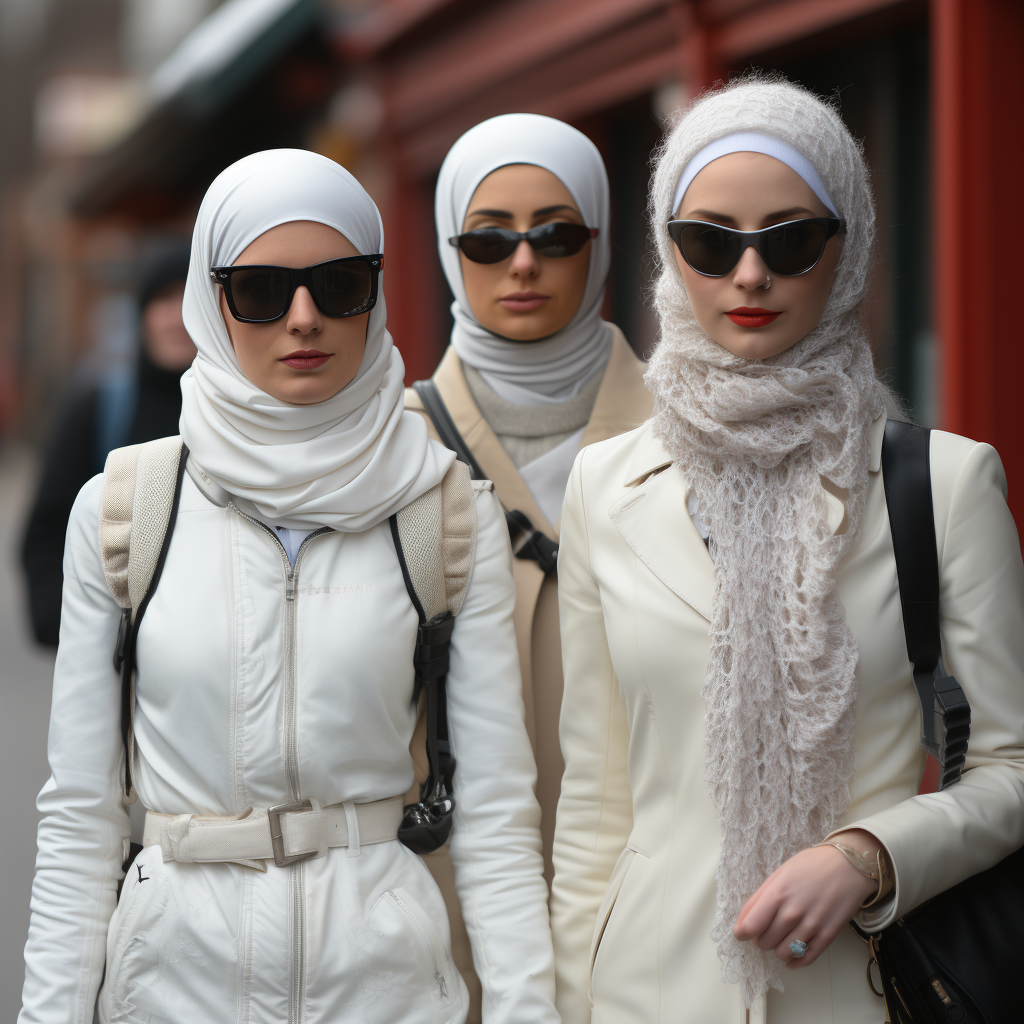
x=653, y=521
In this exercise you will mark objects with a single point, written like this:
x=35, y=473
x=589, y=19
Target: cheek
x=479, y=281
x=703, y=292
x=230, y=323
x=576, y=272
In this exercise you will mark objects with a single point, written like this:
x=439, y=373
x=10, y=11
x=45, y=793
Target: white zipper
x=297, y=986
x=407, y=910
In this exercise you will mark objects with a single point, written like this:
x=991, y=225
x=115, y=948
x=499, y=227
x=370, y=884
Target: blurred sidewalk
x=26, y=674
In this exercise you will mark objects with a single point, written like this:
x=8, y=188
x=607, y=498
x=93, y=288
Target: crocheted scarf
x=754, y=440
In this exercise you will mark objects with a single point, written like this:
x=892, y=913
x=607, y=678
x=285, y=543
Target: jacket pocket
x=604, y=914
x=122, y=937
x=436, y=963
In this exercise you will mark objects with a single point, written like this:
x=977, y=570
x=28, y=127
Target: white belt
x=286, y=833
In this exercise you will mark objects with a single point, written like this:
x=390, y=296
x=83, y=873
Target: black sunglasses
x=492, y=245
x=258, y=294
x=787, y=249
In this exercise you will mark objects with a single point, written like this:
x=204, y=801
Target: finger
x=757, y=913
x=800, y=947
x=822, y=938
x=788, y=918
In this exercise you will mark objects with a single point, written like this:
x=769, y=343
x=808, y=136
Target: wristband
x=876, y=869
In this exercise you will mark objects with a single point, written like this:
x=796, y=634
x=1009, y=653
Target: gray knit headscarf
x=754, y=438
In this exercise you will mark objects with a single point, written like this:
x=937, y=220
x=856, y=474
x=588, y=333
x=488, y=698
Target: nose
x=303, y=317
x=751, y=272
x=524, y=261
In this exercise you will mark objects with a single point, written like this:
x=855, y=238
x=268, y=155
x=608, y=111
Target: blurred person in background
x=533, y=373
x=122, y=408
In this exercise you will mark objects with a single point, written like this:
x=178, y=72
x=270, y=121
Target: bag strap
x=528, y=542
x=138, y=508
x=945, y=712
x=435, y=540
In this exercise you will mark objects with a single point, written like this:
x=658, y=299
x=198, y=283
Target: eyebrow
x=778, y=215
x=507, y=214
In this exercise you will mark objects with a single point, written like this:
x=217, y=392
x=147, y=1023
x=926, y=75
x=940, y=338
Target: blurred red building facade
x=386, y=87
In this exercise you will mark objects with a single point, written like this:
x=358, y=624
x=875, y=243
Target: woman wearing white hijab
x=533, y=372
x=275, y=664
x=740, y=726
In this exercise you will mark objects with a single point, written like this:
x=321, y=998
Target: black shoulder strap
x=427, y=824
x=527, y=541
x=945, y=712
x=128, y=632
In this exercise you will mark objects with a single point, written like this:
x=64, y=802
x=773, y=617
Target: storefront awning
x=180, y=136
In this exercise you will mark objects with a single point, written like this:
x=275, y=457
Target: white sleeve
x=938, y=839
x=495, y=846
x=81, y=837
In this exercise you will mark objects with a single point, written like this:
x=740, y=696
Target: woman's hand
x=810, y=898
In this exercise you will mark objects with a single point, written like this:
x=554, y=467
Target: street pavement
x=26, y=675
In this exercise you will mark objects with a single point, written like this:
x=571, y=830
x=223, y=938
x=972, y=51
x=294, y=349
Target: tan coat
x=637, y=841
x=622, y=403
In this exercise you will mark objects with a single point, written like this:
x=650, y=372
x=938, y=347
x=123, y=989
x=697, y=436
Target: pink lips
x=524, y=302
x=306, y=359
x=752, y=316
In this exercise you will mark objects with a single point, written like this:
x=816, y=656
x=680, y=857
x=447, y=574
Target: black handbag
x=954, y=958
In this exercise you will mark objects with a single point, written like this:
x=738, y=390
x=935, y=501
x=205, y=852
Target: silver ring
x=766, y=287
x=797, y=948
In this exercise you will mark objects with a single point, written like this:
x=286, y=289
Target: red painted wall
x=978, y=96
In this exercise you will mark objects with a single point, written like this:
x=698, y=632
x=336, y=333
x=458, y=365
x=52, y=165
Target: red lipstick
x=306, y=359
x=524, y=302
x=752, y=316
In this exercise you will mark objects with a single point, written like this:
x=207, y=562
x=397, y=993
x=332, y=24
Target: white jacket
x=637, y=837
x=248, y=673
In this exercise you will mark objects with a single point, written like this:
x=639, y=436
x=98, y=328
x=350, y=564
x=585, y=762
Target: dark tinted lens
x=793, y=248
x=709, y=249
x=342, y=288
x=488, y=245
x=260, y=293
x=558, y=240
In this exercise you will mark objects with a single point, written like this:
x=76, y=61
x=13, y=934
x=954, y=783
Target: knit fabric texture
x=755, y=438
x=527, y=432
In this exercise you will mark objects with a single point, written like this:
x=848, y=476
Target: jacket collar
x=653, y=520
x=650, y=456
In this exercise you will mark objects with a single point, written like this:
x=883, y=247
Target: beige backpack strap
x=435, y=538
x=138, y=503
x=139, y=484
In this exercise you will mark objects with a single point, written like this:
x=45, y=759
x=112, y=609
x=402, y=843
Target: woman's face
x=525, y=297
x=305, y=357
x=749, y=191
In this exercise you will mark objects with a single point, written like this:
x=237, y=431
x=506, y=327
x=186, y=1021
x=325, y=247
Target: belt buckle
x=276, y=837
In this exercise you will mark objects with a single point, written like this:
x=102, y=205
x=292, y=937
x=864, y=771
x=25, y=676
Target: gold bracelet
x=877, y=870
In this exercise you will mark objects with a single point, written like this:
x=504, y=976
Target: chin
x=524, y=331
x=753, y=347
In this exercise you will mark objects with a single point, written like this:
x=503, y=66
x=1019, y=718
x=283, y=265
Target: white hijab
x=348, y=462
x=557, y=365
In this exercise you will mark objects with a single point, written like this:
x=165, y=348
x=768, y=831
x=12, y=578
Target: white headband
x=752, y=142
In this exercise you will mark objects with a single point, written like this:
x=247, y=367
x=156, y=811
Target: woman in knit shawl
x=740, y=725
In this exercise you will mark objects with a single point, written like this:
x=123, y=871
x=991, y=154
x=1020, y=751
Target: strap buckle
x=277, y=838
x=531, y=544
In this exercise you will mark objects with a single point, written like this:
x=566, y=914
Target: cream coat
x=636, y=843
x=622, y=403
